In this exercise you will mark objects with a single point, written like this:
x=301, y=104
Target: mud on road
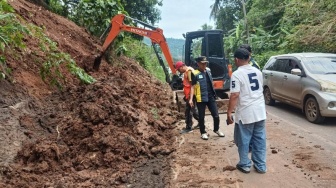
x=295, y=158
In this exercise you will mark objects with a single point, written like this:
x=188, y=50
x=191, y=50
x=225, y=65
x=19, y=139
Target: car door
x=292, y=84
x=275, y=77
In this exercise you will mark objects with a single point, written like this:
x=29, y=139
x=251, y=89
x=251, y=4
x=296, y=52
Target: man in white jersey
x=250, y=113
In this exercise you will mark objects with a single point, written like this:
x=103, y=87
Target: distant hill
x=176, y=47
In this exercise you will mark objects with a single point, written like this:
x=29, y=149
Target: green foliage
x=206, y=27
x=176, y=47
x=51, y=67
x=267, y=14
x=144, y=54
x=279, y=26
x=235, y=38
x=11, y=34
x=95, y=15
x=50, y=71
x=227, y=15
x=311, y=26
x=59, y=7
x=79, y=72
x=263, y=43
x=145, y=10
x=262, y=58
x=139, y=9
x=155, y=113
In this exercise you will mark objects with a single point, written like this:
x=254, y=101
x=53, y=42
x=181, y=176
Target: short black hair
x=242, y=53
x=247, y=47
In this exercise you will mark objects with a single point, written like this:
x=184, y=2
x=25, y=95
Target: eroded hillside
x=84, y=135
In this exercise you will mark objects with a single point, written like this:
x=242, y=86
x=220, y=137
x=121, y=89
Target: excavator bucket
x=97, y=62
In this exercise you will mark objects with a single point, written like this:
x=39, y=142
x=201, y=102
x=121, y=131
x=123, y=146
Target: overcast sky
x=181, y=16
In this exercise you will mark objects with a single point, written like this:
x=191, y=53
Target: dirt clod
x=274, y=151
x=229, y=168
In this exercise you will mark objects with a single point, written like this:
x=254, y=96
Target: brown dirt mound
x=106, y=134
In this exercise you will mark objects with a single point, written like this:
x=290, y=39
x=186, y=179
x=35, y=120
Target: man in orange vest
x=190, y=111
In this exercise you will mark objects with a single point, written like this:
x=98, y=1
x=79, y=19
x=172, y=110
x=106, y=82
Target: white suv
x=303, y=80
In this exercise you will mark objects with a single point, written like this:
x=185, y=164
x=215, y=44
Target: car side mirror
x=296, y=72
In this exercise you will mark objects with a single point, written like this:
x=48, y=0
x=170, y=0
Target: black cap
x=202, y=59
x=242, y=53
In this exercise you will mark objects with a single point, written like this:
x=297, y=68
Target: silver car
x=303, y=80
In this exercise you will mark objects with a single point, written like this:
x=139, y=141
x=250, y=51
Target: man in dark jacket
x=202, y=88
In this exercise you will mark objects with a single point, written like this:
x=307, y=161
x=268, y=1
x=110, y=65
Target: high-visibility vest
x=200, y=88
x=254, y=63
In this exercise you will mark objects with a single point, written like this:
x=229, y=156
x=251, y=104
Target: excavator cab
x=209, y=43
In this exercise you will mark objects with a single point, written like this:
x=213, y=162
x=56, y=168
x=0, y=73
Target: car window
x=280, y=65
x=321, y=65
x=292, y=64
x=269, y=64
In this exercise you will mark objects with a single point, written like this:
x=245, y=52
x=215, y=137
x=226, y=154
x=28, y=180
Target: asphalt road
x=296, y=119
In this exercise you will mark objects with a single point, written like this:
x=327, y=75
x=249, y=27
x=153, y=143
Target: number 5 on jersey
x=253, y=81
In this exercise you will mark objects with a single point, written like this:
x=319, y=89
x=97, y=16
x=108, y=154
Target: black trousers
x=212, y=106
x=190, y=112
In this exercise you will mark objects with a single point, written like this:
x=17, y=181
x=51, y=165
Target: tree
x=61, y=7
x=206, y=27
x=267, y=14
x=144, y=10
x=226, y=13
x=95, y=15
x=311, y=26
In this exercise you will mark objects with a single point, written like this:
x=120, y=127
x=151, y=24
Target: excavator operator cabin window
x=203, y=47
x=215, y=49
x=196, y=47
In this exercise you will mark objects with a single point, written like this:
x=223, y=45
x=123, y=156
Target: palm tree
x=215, y=9
x=217, y=5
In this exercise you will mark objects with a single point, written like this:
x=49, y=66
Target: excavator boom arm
x=156, y=36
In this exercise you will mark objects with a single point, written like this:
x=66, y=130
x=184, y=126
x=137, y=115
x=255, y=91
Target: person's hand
x=229, y=119
x=191, y=103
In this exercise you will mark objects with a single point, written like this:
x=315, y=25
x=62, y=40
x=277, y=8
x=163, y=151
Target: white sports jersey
x=248, y=81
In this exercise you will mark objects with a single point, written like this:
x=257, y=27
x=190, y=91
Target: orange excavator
x=207, y=43
x=157, y=38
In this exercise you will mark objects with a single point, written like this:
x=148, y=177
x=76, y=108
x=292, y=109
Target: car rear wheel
x=312, y=111
x=268, y=97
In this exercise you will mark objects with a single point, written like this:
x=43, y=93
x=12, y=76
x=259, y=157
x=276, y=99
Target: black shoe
x=245, y=170
x=259, y=171
x=185, y=130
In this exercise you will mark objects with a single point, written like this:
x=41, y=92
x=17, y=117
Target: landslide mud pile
x=118, y=131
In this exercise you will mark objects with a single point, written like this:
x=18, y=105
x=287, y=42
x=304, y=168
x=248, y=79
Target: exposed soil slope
x=86, y=135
